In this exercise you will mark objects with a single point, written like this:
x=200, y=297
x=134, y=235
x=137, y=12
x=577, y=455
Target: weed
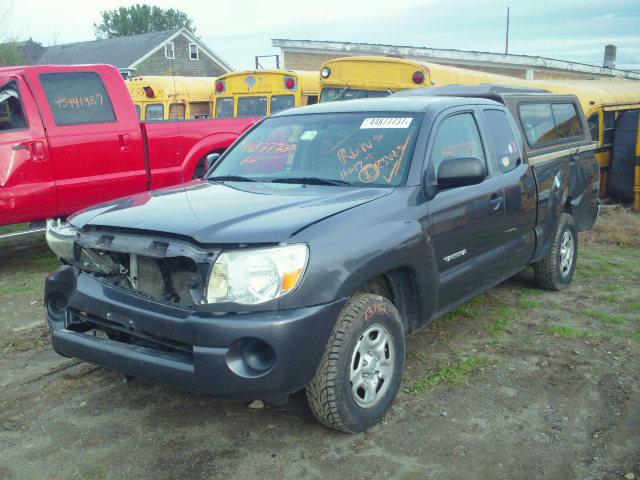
x=527, y=303
x=605, y=317
x=456, y=373
x=564, y=331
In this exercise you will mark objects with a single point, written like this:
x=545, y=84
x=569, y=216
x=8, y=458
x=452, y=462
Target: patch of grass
x=612, y=287
x=636, y=336
x=527, y=303
x=616, y=225
x=634, y=306
x=605, y=317
x=500, y=325
x=503, y=319
x=564, y=331
x=532, y=292
x=455, y=373
x=48, y=262
x=470, y=309
x=610, y=298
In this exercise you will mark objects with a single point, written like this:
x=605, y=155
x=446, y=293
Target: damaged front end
x=169, y=271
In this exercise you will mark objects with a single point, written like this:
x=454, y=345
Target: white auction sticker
x=386, y=122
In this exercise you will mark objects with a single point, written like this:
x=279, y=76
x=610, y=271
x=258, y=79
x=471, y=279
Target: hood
x=232, y=212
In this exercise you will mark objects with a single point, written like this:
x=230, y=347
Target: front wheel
x=555, y=271
x=362, y=366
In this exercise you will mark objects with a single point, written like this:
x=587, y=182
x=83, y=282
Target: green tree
x=10, y=54
x=136, y=19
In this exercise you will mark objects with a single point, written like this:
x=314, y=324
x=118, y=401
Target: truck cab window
x=504, y=141
x=457, y=136
x=154, y=111
x=594, y=126
x=77, y=98
x=565, y=116
x=11, y=112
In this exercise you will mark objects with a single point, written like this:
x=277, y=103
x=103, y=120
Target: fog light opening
x=258, y=355
x=56, y=305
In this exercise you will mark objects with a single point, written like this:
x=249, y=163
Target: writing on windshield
x=344, y=148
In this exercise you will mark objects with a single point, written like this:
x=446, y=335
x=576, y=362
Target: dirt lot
x=519, y=383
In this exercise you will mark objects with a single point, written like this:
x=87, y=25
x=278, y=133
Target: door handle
x=37, y=151
x=123, y=138
x=496, y=201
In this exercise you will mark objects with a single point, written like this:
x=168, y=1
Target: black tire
x=330, y=394
x=550, y=272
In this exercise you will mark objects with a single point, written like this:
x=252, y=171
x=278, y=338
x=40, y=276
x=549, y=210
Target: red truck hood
x=233, y=212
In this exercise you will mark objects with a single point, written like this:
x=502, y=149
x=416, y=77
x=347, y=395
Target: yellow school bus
x=257, y=93
x=172, y=97
x=365, y=77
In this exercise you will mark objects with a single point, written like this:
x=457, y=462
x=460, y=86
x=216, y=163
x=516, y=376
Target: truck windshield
x=346, y=93
x=336, y=148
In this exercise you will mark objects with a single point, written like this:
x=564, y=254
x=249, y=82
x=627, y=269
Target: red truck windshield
x=355, y=148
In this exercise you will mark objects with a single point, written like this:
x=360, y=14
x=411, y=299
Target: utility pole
x=506, y=43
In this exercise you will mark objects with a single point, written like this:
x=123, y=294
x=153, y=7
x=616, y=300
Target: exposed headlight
x=61, y=238
x=325, y=72
x=256, y=275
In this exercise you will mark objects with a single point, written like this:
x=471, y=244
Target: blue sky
x=240, y=29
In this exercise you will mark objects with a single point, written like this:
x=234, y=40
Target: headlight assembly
x=61, y=238
x=256, y=275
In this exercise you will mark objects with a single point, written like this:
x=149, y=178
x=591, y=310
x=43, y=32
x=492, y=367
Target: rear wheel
x=361, y=370
x=555, y=271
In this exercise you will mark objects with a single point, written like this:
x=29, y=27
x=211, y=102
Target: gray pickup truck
x=321, y=239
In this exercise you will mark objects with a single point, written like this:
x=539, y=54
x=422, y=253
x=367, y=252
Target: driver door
x=464, y=222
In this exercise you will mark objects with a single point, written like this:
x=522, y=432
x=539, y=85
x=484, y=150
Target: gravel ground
x=517, y=384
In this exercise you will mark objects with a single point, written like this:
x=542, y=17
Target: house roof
x=450, y=55
x=122, y=52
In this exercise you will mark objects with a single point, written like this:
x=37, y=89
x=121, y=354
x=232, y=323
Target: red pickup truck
x=70, y=138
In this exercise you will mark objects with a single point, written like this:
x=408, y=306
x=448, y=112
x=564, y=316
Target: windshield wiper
x=310, y=181
x=341, y=93
x=231, y=178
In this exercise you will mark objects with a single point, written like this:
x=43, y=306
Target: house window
x=193, y=51
x=168, y=51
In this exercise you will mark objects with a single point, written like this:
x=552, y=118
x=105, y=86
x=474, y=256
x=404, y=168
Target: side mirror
x=461, y=171
x=210, y=161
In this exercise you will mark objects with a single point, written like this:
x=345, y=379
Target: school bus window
x=199, y=110
x=252, y=107
x=566, y=120
x=309, y=99
x=177, y=111
x=609, y=123
x=154, y=111
x=224, y=107
x=346, y=93
x=138, y=111
x=282, y=102
x=594, y=126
